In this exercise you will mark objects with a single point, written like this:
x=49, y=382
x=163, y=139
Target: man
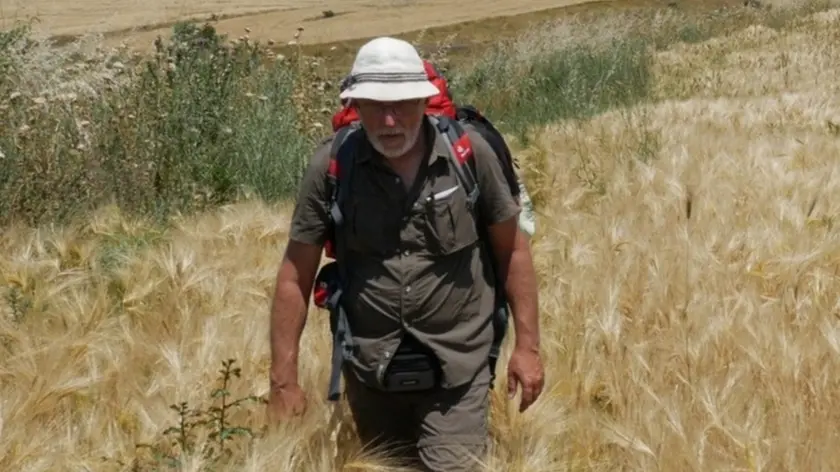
x=420, y=280
x=443, y=104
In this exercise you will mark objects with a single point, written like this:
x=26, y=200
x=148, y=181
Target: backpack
x=448, y=119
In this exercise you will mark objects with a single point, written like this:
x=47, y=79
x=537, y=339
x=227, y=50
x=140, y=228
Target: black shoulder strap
x=340, y=158
x=339, y=173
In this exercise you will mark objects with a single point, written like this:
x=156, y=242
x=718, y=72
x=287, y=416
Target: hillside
x=685, y=250
x=139, y=23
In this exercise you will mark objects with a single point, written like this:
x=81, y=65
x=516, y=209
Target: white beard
x=411, y=139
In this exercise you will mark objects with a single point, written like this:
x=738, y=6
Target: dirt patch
x=331, y=28
x=265, y=19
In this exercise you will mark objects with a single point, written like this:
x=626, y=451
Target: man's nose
x=390, y=119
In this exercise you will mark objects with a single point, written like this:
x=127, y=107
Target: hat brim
x=390, y=92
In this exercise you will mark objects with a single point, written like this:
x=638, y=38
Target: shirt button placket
x=406, y=291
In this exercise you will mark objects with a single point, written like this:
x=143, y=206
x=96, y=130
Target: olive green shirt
x=414, y=262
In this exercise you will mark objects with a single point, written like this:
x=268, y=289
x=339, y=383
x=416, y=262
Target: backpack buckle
x=336, y=215
x=472, y=198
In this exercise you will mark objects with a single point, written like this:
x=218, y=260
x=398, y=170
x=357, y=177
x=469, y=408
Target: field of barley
x=684, y=172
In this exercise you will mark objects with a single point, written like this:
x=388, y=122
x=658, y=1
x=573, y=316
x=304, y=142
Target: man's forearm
x=288, y=317
x=522, y=294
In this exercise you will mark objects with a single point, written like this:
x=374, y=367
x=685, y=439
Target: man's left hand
x=525, y=370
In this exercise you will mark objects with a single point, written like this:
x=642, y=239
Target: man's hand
x=285, y=401
x=513, y=261
x=288, y=318
x=525, y=370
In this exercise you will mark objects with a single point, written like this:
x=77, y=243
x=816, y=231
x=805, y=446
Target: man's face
x=392, y=127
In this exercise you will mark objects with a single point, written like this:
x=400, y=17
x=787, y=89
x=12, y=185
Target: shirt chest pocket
x=448, y=224
x=373, y=224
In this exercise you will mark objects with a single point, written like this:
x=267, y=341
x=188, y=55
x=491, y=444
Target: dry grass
x=687, y=264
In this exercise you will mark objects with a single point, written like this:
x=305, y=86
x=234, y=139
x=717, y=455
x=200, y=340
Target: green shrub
x=194, y=126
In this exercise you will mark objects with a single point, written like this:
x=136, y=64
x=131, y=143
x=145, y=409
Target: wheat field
x=688, y=278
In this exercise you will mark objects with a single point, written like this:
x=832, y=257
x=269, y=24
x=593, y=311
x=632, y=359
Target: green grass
x=569, y=83
x=204, y=122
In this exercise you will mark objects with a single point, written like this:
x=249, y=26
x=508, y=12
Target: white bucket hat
x=388, y=70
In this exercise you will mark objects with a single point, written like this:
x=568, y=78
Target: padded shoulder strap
x=461, y=153
x=342, y=156
x=339, y=175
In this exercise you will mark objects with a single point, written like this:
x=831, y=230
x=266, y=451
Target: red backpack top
x=440, y=104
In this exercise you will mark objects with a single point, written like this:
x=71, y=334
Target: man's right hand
x=288, y=318
x=285, y=401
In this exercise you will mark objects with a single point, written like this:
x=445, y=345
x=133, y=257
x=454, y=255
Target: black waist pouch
x=414, y=368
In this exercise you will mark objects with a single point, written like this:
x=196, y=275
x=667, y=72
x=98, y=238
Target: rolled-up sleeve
x=310, y=218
